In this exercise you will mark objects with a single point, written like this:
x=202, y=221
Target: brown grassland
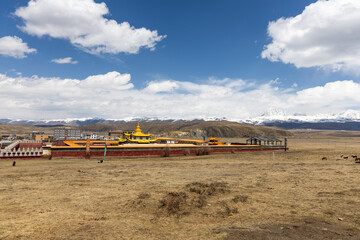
x=296, y=195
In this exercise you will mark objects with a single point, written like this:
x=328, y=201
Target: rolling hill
x=194, y=129
x=223, y=129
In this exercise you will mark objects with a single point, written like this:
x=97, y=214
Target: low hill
x=22, y=129
x=223, y=129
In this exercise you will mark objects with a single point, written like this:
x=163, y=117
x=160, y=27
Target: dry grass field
x=228, y=196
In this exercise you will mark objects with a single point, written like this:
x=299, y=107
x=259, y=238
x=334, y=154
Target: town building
x=115, y=134
x=92, y=136
x=41, y=137
x=67, y=133
x=34, y=133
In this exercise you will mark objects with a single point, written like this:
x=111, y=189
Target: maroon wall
x=136, y=152
x=31, y=145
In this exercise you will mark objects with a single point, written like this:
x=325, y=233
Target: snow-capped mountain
x=348, y=120
x=272, y=116
x=87, y=121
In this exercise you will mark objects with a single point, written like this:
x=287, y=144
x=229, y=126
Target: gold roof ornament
x=138, y=133
x=137, y=136
x=138, y=130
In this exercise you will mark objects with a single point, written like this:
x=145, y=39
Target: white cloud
x=67, y=60
x=83, y=23
x=163, y=86
x=326, y=34
x=112, y=95
x=335, y=96
x=109, y=81
x=14, y=47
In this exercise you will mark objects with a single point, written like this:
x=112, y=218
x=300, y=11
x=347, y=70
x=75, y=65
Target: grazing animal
x=357, y=160
x=341, y=155
x=346, y=157
x=354, y=156
x=14, y=163
x=324, y=158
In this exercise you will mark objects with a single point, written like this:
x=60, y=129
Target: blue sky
x=177, y=59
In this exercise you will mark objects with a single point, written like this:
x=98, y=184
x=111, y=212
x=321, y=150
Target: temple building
x=137, y=137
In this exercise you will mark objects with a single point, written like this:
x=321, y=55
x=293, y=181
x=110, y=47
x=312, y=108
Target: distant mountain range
x=348, y=120
x=87, y=121
x=276, y=115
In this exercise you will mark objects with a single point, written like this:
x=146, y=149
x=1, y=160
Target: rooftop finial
x=138, y=130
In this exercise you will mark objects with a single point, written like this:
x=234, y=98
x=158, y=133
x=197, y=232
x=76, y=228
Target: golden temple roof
x=138, y=132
